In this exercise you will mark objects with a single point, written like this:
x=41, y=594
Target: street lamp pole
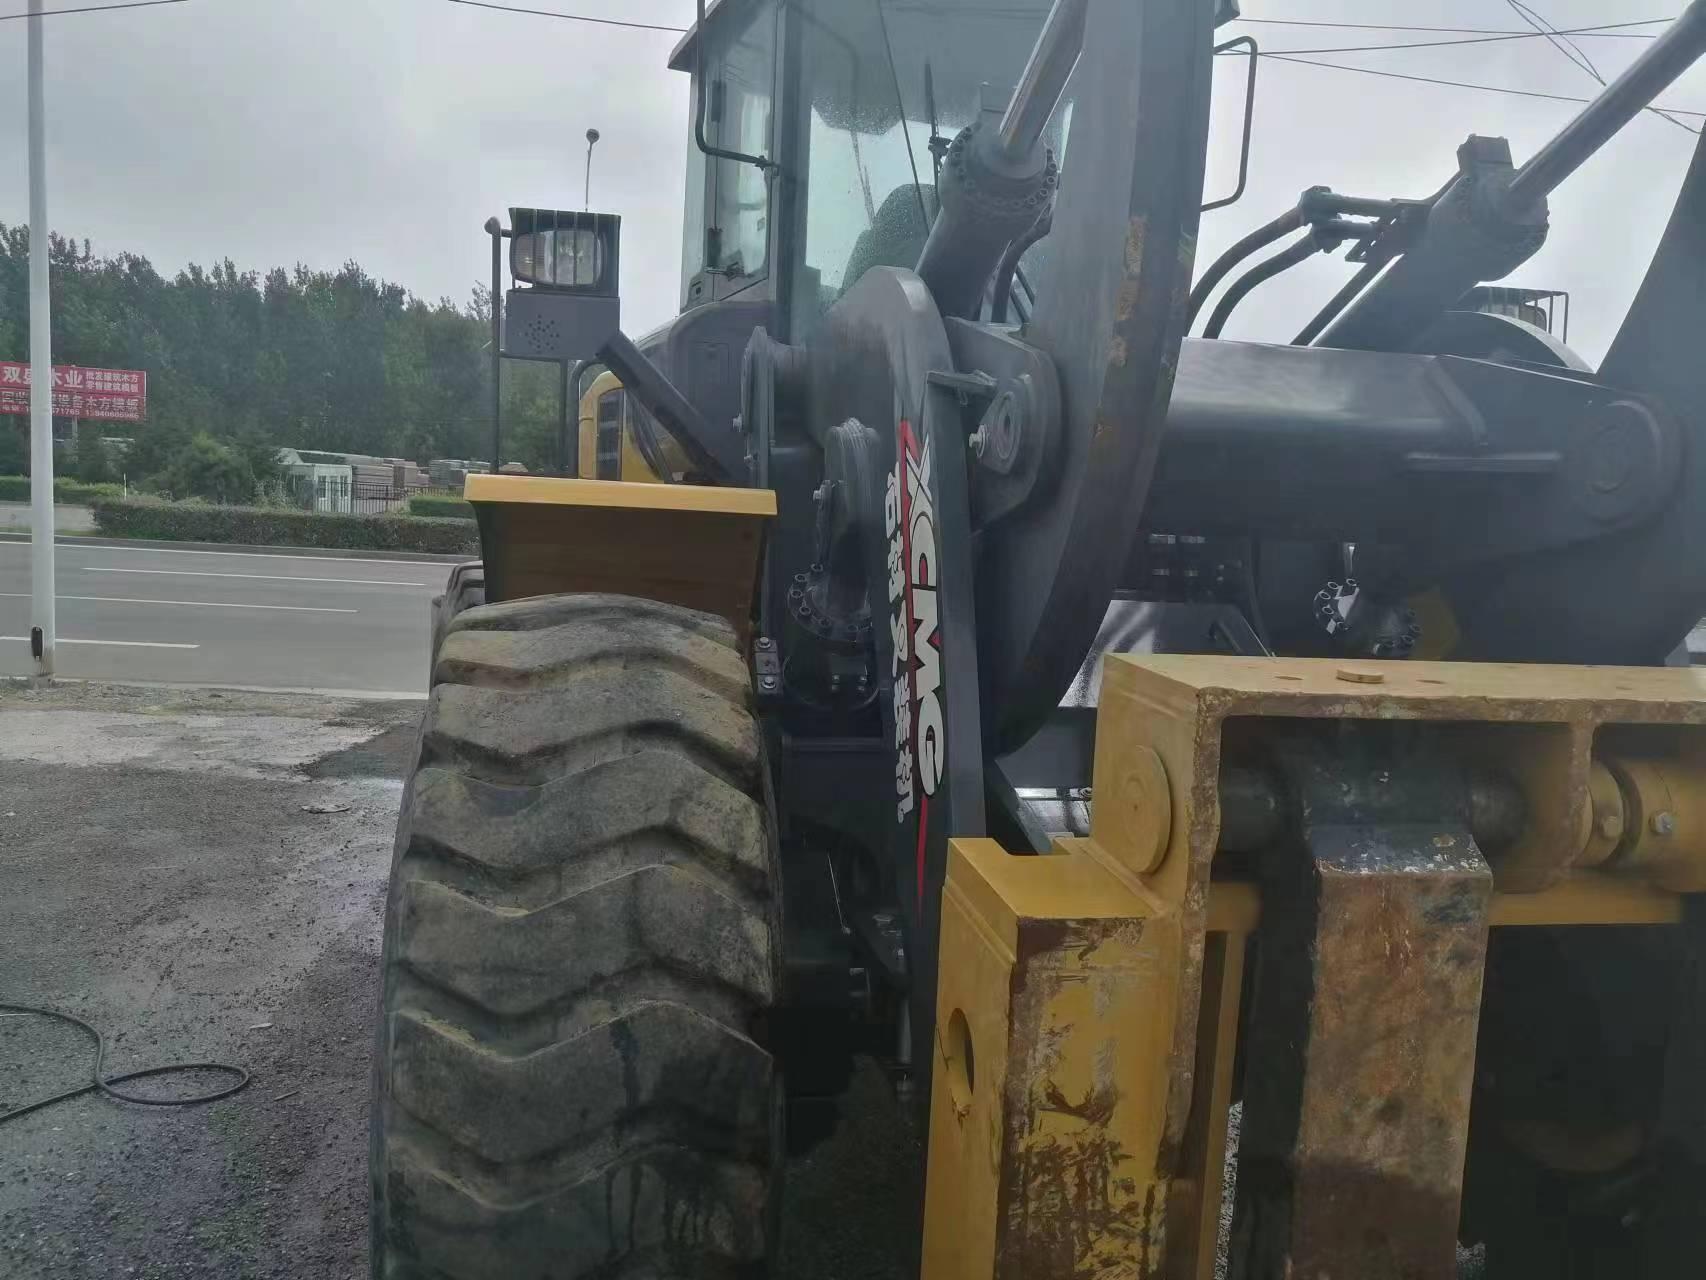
x=41, y=369
x=591, y=140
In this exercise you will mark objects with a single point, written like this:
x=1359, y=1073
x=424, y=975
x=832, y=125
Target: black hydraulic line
x=1259, y=239
x=1318, y=204
x=1315, y=207
x=1009, y=266
x=104, y=1083
x=1338, y=302
x=1301, y=251
x=1253, y=593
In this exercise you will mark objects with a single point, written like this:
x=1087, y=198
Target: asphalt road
x=276, y=620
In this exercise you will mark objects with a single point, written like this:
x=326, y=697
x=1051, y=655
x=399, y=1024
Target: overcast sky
x=387, y=131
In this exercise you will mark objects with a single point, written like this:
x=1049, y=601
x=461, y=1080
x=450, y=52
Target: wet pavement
x=202, y=875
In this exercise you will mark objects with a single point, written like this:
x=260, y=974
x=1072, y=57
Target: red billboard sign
x=110, y=395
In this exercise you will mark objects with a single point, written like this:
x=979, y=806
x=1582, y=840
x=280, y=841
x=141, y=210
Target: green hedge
x=280, y=527
x=438, y=507
x=17, y=489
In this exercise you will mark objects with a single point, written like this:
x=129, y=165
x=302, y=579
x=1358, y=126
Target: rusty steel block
x=1362, y=1056
x=1090, y=1001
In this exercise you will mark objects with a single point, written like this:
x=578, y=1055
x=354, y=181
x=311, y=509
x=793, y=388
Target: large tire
x=465, y=589
x=580, y=954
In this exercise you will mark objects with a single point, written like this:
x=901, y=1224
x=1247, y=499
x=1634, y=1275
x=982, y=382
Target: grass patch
x=440, y=507
x=17, y=489
x=281, y=527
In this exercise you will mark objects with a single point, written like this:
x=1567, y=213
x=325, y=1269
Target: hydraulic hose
x=1259, y=239
x=1301, y=251
x=1009, y=267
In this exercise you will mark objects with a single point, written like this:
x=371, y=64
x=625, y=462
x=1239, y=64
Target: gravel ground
x=202, y=875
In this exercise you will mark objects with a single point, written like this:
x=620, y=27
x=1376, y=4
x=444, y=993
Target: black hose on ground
x=104, y=1083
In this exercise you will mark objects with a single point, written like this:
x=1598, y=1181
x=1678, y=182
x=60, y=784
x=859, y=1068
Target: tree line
x=241, y=363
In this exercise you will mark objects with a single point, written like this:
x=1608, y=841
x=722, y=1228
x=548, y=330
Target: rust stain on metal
x=1388, y=1223
x=1125, y=298
x=1096, y=1108
x=1136, y=233
x=1369, y=1165
x=1081, y=1214
x=1073, y=1197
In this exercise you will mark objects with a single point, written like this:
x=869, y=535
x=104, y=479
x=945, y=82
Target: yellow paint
x=1665, y=837
x=1437, y=690
x=544, y=490
x=1233, y=907
x=1132, y=795
x=1199, y=1189
x=1587, y=898
x=1067, y=982
x=1093, y=994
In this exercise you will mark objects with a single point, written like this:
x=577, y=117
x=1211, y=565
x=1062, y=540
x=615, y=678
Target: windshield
x=886, y=85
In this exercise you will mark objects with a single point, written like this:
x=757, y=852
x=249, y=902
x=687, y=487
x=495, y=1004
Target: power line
x=545, y=13
x=1451, y=84
x=91, y=8
x=1501, y=37
x=1608, y=30
x=1570, y=51
x=1560, y=40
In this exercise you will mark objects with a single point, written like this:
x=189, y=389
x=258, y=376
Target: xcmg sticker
x=909, y=517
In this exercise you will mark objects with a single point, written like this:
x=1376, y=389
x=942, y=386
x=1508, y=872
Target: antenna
x=591, y=141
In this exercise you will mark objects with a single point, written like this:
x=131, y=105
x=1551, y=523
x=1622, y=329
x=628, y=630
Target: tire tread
x=580, y=955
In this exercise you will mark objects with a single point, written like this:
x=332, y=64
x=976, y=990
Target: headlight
x=563, y=257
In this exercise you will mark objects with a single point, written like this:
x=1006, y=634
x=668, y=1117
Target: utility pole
x=591, y=140
x=41, y=370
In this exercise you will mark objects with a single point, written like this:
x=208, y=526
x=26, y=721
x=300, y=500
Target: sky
x=387, y=131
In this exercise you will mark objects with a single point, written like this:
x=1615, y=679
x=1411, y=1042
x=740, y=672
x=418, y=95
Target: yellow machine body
x=609, y=443
x=682, y=544
x=1089, y=1000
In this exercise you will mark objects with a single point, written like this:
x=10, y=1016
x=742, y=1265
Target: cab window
x=732, y=248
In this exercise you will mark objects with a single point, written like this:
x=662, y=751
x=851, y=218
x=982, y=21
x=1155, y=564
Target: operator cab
x=853, y=131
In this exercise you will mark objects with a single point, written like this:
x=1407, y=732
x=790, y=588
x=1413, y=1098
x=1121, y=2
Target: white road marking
x=79, y=545
x=122, y=644
x=191, y=604
x=263, y=577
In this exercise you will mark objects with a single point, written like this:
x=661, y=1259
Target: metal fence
x=370, y=499
x=346, y=496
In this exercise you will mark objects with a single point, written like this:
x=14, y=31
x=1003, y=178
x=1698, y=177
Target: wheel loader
x=1111, y=730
